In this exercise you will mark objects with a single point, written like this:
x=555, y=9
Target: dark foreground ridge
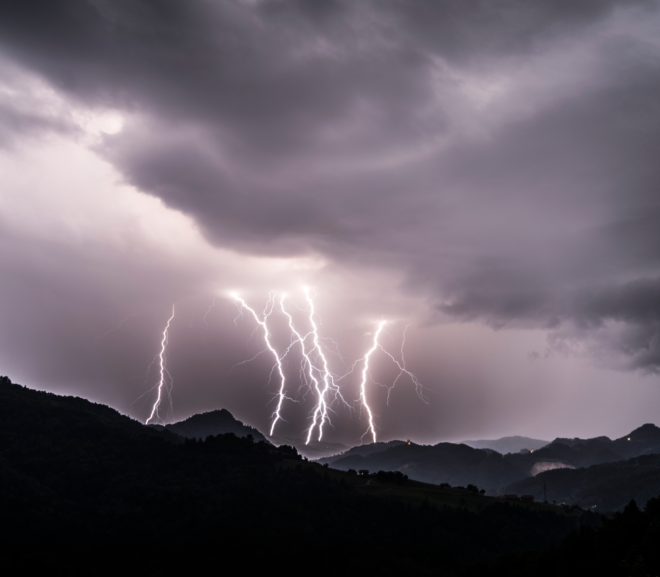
x=87, y=491
x=626, y=545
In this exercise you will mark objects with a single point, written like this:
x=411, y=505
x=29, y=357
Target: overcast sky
x=484, y=171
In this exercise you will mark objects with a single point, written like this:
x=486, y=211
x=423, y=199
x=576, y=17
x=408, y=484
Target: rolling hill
x=218, y=422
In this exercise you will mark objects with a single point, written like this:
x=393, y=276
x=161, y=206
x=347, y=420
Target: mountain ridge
x=510, y=444
x=459, y=464
x=215, y=422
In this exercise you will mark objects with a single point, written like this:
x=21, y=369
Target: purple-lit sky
x=485, y=170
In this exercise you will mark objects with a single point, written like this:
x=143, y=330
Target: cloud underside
x=502, y=154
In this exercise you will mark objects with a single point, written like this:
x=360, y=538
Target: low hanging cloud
x=502, y=155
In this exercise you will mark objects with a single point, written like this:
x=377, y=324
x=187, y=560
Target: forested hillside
x=87, y=491
x=626, y=545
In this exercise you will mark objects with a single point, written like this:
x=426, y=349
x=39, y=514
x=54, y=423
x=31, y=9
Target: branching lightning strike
x=163, y=371
x=419, y=388
x=307, y=362
x=315, y=369
x=277, y=415
x=321, y=409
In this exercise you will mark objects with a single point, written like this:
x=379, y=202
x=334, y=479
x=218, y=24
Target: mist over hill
x=606, y=487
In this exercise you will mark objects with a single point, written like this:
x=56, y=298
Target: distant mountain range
x=508, y=444
x=331, y=451
x=442, y=463
x=459, y=464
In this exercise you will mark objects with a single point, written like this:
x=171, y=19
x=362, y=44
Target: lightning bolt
x=363, y=384
x=321, y=409
x=315, y=369
x=278, y=361
x=419, y=388
x=208, y=311
x=307, y=360
x=163, y=370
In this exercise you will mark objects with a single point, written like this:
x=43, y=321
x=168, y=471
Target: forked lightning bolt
x=163, y=370
x=306, y=355
x=419, y=388
x=320, y=413
x=278, y=361
x=321, y=410
x=315, y=368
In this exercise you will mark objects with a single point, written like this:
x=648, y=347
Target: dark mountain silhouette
x=508, y=444
x=442, y=463
x=644, y=440
x=87, y=491
x=578, y=441
x=69, y=414
x=458, y=464
x=218, y=422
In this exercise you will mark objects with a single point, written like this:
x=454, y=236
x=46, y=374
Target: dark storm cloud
x=463, y=30
x=635, y=306
x=348, y=128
